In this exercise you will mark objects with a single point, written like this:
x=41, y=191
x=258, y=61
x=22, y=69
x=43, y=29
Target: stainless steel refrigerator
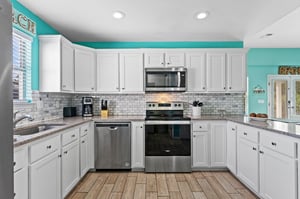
x=6, y=105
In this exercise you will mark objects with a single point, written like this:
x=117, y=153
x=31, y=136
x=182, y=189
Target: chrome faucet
x=15, y=121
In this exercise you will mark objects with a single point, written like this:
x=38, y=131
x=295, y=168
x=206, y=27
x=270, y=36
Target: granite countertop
x=290, y=129
x=285, y=128
x=68, y=123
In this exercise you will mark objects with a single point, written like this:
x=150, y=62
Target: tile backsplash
x=46, y=106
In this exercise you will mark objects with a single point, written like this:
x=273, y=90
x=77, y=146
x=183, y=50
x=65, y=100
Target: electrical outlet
x=261, y=101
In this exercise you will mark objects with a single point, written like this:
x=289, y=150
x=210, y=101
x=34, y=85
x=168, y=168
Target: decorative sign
x=23, y=22
x=289, y=70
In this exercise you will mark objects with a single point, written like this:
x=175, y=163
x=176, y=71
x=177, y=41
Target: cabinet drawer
x=279, y=143
x=84, y=129
x=200, y=126
x=41, y=149
x=248, y=133
x=70, y=136
x=20, y=159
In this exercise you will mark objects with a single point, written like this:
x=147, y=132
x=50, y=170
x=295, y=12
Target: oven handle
x=166, y=122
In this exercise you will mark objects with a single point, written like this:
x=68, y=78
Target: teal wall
x=41, y=28
x=109, y=45
x=262, y=62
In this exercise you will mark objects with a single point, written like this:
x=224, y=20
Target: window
x=21, y=67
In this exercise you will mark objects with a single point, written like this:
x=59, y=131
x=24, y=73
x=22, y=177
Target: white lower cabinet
x=70, y=163
x=21, y=173
x=137, y=145
x=218, y=144
x=231, y=146
x=277, y=175
x=200, y=149
x=44, y=177
x=278, y=170
x=247, y=161
x=209, y=144
x=84, y=167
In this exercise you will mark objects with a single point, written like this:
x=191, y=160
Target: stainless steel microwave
x=165, y=79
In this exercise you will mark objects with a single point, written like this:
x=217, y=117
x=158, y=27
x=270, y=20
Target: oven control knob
x=175, y=105
x=179, y=105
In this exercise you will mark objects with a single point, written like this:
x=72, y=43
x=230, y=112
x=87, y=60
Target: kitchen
x=128, y=100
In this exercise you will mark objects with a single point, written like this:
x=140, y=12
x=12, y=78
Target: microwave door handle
x=178, y=77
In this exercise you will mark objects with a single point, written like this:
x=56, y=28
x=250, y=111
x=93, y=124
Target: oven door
x=165, y=80
x=168, y=146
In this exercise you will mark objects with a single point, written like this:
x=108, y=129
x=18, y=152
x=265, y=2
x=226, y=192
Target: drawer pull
x=261, y=152
x=59, y=156
x=233, y=129
x=254, y=149
x=65, y=152
x=48, y=147
x=14, y=163
x=200, y=127
x=14, y=194
x=245, y=133
x=73, y=136
x=85, y=130
x=83, y=142
x=274, y=143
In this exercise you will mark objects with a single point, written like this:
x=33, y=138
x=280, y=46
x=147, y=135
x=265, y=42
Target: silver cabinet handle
x=203, y=88
x=245, y=133
x=73, y=135
x=64, y=86
x=48, y=147
x=254, y=149
x=273, y=143
x=261, y=152
x=92, y=88
x=229, y=87
x=83, y=142
x=65, y=152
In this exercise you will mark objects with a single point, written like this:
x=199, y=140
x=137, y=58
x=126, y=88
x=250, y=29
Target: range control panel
x=164, y=106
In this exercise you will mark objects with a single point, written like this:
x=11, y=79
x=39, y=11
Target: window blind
x=21, y=67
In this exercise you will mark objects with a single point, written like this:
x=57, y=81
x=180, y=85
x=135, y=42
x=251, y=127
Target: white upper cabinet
x=236, y=72
x=226, y=71
x=164, y=59
x=216, y=68
x=196, y=67
x=56, y=64
x=108, y=72
x=85, y=69
x=120, y=72
x=131, y=72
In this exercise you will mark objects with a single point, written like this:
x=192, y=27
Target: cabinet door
x=131, y=72
x=174, y=59
x=215, y=75
x=154, y=59
x=108, y=72
x=231, y=147
x=236, y=72
x=200, y=149
x=84, y=167
x=70, y=167
x=84, y=70
x=67, y=66
x=277, y=175
x=218, y=144
x=44, y=178
x=196, y=71
x=21, y=184
x=247, y=162
x=137, y=145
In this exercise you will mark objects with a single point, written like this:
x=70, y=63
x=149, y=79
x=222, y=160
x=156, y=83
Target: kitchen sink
x=36, y=128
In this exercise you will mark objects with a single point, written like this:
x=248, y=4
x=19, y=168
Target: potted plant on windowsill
x=196, y=109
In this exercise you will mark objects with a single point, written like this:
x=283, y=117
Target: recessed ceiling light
x=267, y=35
x=201, y=15
x=118, y=15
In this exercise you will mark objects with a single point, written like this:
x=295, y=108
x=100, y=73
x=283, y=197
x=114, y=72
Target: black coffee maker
x=87, y=106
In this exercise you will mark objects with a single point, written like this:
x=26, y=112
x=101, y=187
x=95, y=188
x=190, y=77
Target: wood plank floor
x=139, y=185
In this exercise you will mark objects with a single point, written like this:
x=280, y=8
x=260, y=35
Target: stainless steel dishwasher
x=112, y=146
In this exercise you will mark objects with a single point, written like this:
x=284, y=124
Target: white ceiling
x=174, y=20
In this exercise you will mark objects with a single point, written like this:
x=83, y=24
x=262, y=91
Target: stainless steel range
x=167, y=138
